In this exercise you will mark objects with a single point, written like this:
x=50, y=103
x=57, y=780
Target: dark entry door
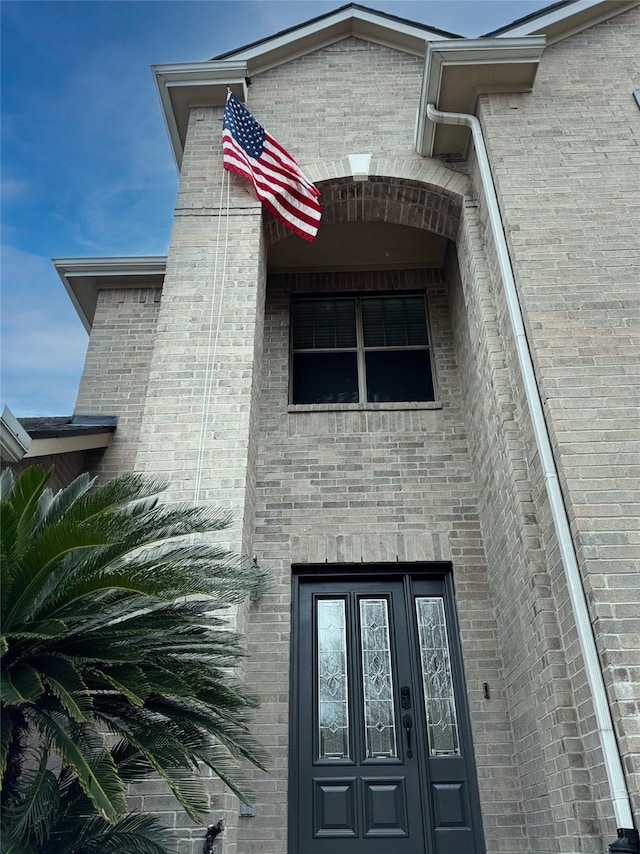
x=380, y=755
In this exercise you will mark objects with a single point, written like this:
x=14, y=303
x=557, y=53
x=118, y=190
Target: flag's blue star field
x=243, y=127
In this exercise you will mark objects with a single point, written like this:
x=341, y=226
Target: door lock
x=405, y=697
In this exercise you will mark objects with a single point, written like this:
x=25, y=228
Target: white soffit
x=457, y=71
x=84, y=277
x=182, y=86
x=68, y=444
x=566, y=20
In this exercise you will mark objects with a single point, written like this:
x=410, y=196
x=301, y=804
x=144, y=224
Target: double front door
x=381, y=758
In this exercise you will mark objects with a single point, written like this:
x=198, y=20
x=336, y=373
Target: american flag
x=278, y=181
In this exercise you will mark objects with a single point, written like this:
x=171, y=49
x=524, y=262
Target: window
x=360, y=349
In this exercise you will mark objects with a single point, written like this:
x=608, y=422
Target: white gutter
x=457, y=70
x=595, y=680
x=14, y=439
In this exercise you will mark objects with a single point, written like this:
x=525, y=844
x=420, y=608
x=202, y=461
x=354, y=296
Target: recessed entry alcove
x=361, y=295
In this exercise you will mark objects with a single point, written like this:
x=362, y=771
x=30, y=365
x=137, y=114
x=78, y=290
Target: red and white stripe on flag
x=278, y=181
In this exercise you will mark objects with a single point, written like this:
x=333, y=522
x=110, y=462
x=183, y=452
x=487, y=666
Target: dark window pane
x=415, y=320
x=325, y=378
x=302, y=325
x=345, y=311
x=324, y=324
x=400, y=375
x=394, y=321
x=373, y=323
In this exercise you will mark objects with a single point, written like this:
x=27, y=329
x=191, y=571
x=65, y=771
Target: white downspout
x=595, y=680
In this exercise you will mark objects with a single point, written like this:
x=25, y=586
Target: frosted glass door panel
x=437, y=680
x=333, y=697
x=377, y=681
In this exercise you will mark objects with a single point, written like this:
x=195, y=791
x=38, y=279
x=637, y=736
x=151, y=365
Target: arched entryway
x=357, y=304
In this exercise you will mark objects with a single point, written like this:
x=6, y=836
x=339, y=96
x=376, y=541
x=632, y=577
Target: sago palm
x=115, y=651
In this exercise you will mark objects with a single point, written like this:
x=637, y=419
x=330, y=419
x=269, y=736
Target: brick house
x=426, y=424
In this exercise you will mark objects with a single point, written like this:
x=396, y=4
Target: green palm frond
x=6, y=737
x=43, y=557
x=139, y=833
x=114, y=618
x=175, y=765
x=11, y=845
x=128, y=680
x=8, y=530
x=20, y=685
x=43, y=629
x=33, y=812
x=53, y=506
x=83, y=750
x=6, y=483
x=67, y=685
x=188, y=719
x=131, y=764
x=23, y=497
x=53, y=816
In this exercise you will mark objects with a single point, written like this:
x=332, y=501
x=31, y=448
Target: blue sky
x=86, y=165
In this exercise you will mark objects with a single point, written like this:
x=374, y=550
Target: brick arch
x=434, y=204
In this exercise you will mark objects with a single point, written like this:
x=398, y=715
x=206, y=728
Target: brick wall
x=199, y=422
x=565, y=160
x=557, y=797
x=116, y=369
x=375, y=484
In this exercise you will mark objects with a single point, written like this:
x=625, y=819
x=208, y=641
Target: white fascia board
x=602, y=11
x=316, y=30
x=77, y=273
x=471, y=53
x=500, y=49
x=221, y=73
x=400, y=28
x=125, y=265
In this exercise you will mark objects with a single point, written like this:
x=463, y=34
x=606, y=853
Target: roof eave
x=182, y=86
x=69, y=443
x=564, y=20
x=350, y=21
x=351, y=10
x=457, y=72
x=83, y=278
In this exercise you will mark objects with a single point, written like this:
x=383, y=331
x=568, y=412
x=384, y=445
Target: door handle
x=407, y=723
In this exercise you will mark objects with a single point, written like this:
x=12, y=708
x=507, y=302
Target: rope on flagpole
x=212, y=342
